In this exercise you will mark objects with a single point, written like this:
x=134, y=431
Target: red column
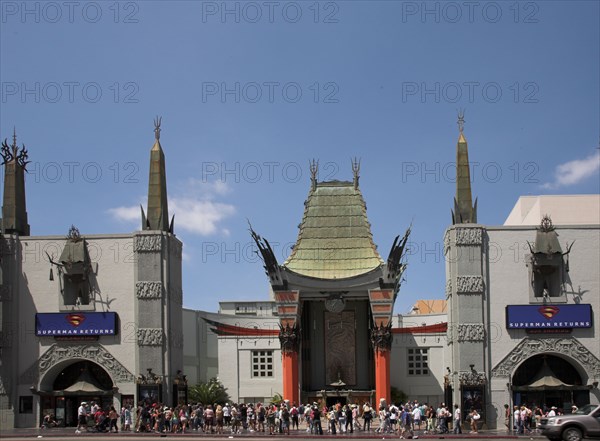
x=382, y=376
x=291, y=387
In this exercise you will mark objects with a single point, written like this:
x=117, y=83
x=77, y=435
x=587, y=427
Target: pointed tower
x=158, y=210
x=464, y=211
x=14, y=210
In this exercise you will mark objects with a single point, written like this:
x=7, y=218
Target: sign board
x=548, y=316
x=64, y=324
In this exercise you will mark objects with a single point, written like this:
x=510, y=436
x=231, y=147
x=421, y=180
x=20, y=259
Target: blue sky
x=250, y=91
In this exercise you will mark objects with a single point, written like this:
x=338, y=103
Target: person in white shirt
x=457, y=419
x=81, y=417
x=551, y=412
x=417, y=418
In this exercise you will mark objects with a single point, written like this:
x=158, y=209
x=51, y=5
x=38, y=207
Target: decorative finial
x=546, y=224
x=314, y=170
x=461, y=120
x=74, y=235
x=157, y=122
x=14, y=144
x=14, y=153
x=356, y=171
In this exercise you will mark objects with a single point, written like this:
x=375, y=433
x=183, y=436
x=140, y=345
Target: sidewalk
x=69, y=432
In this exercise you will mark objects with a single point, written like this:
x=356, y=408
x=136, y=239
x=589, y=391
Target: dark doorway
x=332, y=401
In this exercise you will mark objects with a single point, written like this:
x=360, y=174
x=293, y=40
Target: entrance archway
x=74, y=383
x=546, y=380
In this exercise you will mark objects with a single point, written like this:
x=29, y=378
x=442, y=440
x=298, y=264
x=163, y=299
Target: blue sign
x=548, y=316
x=65, y=324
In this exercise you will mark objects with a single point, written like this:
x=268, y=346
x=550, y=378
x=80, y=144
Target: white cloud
x=126, y=214
x=575, y=171
x=198, y=214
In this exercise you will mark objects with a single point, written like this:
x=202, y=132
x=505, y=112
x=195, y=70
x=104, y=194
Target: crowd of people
x=283, y=417
x=91, y=416
x=525, y=420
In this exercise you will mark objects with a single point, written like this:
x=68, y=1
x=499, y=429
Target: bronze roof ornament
x=356, y=171
x=13, y=152
x=461, y=120
x=157, y=122
x=314, y=171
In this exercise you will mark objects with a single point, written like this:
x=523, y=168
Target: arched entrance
x=546, y=380
x=80, y=381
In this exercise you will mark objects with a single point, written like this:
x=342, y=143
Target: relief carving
x=469, y=284
x=56, y=354
x=149, y=336
x=289, y=338
x=381, y=337
x=471, y=378
x=148, y=290
x=529, y=347
x=471, y=332
x=448, y=288
x=446, y=242
x=148, y=243
x=468, y=236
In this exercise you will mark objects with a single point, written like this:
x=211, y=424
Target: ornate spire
x=356, y=171
x=158, y=210
x=14, y=208
x=314, y=171
x=464, y=211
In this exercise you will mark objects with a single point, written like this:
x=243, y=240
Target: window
x=418, y=361
x=262, y=364
x=245, y=309
x=26, y=404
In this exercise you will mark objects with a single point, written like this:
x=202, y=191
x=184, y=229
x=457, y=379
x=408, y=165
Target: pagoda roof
x=335, y=240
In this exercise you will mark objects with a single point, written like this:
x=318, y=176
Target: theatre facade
x=518, y=327
x=100, y=317
x=87, y=317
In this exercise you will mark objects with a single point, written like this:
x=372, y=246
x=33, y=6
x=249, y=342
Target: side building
x=87, y=317
x=521, y=303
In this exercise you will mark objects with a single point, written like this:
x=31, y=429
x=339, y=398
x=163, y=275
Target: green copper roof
x=335, y=240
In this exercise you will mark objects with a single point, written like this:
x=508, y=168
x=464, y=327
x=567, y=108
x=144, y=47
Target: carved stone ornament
x=148, y=290
x=529, y=347
x=448, y=288
x=471, y=332
x=150, y=336
x=148, y=243
x=469, y=284
x=471, y=378
x=381, y=337
x=469, y=236
x=57, y=354
x=446, y=242
x=289, y=338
